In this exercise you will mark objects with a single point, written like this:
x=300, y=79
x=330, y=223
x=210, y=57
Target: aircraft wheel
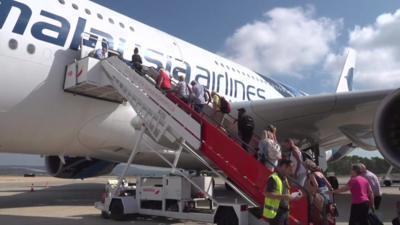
x=226, y=216
x=117, y=210
x=387, y=183
x=105, y=215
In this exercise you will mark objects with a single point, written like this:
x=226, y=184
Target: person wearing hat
x=245, y=127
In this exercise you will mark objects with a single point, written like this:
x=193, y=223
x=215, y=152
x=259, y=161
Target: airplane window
x=61, y=1
x=88, y=11
x=222, y=65
x=122, y=25
x=13, y=44
x=111, y=20
x=131, y=28
x=75, y=6
x=31, y=49
x=99, y=16
x=228, y=67
x=216, y=63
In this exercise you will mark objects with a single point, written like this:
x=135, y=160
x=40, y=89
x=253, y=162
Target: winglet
x=346, y=77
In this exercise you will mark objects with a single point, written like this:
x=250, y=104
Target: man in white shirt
x=374, y=183
x=299, y=171
x=103, y=52
x=198, y=96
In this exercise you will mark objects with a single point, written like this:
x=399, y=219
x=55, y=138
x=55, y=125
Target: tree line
x=375, y=164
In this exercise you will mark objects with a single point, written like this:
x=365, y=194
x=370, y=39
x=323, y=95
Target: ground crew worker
x=277, y=196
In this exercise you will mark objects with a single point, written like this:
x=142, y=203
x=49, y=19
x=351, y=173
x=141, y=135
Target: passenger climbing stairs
x=171, y=122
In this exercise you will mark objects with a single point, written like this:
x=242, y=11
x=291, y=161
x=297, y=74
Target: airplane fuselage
x=39, y=40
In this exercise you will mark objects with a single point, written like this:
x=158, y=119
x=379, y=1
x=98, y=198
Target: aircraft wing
x=330, y=120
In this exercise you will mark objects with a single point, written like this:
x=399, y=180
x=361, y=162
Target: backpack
x=207, y=96
x=225, y=106
x=248, y=121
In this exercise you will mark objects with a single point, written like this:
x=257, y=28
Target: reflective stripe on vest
x=271, y=206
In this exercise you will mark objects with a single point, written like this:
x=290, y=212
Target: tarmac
x=64, y=202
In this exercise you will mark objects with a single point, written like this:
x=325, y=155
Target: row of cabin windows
x=87, y=11
x=13, y=45
x=239, y=72
x=75, y=6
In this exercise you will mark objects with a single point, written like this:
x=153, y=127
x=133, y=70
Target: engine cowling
x=77, y=167
x=387, y=128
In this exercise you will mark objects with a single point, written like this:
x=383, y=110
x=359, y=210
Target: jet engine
x=77, y=167
x=387, y=128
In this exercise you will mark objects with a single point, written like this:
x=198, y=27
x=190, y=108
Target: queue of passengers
x=195, y=95
x=305, y=173
x=363, y=185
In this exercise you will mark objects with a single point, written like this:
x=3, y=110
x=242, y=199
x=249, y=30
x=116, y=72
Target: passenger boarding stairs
x=168, y=119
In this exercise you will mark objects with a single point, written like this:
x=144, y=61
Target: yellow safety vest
x=271, y=206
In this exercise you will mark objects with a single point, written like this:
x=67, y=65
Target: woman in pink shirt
x=361, y=196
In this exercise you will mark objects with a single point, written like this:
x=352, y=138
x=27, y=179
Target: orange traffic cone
x=32, y=190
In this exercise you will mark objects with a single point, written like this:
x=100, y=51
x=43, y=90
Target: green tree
x=375, y=164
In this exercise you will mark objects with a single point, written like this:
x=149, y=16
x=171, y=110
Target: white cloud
x=378, y=53
x=286, y=41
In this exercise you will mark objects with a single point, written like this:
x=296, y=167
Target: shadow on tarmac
x=66, y=195
x=85, y=194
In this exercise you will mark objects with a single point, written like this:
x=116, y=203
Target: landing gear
x=105, y=215
x=387, y=180
x=334, y=182
x=387, y=183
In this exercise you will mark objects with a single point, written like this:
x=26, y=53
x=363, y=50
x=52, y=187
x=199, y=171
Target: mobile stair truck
x=170, y=122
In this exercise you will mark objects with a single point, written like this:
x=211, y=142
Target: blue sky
x=309, y=58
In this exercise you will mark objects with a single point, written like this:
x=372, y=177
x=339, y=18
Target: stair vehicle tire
x=105, y=215
x=117, y=210
x=226, y=216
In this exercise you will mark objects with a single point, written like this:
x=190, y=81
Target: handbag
x=373, y=219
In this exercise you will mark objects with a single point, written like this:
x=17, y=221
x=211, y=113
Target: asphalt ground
x=59, y=201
